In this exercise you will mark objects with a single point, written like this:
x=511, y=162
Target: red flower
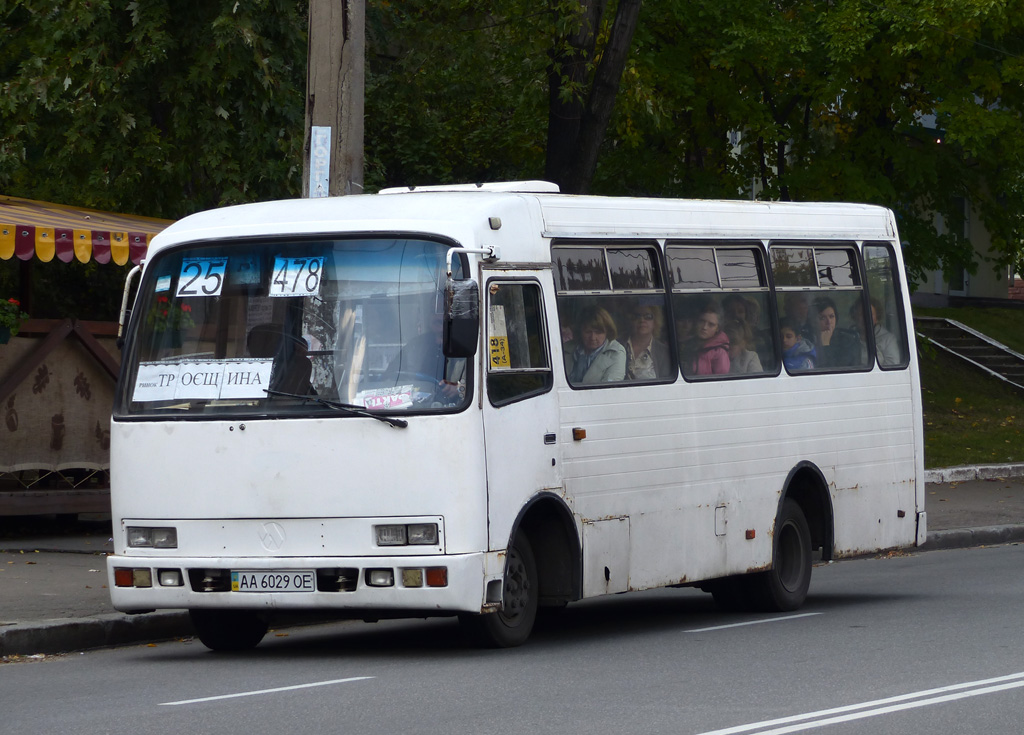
x=14, y=301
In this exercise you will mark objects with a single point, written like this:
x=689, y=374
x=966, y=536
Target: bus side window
x=720, y=305
x=821, y=307
x=889, y=327
x=612, y=310
x=517, y=351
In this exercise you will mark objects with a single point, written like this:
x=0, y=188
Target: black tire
x=784, y=587
x=510, y=626
x=229, y=630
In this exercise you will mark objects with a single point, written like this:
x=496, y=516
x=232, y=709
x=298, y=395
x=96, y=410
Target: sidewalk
x=53, y=582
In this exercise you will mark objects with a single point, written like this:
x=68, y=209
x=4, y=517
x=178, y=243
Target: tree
x=915, y=105
x=583, y=83
x=169, y=107
x=454, y=91
x=158, y=108
x=464, y=89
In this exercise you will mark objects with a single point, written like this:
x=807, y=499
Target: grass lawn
x=970, y=417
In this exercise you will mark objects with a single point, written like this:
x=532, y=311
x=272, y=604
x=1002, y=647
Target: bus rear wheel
x=510, y=626
x=784, y=587
x=229, y=630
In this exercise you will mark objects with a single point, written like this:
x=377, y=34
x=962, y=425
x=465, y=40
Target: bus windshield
x=286, y=327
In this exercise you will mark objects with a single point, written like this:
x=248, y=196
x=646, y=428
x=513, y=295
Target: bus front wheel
x=784, y=587
x=510, y=626
x=229, y=630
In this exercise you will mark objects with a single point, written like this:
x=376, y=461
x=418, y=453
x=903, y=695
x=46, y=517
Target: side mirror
x=461, y=318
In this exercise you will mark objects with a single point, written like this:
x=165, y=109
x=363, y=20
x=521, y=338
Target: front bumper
x=468, y=576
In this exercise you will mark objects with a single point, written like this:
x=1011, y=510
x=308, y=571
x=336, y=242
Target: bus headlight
x=422, y=534
x=147, y=537
x=390, y=535
x=411, y=534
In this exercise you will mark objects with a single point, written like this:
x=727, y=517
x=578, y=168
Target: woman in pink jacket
x=707, y=353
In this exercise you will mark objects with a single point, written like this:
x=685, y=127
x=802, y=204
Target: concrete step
x=977, y=350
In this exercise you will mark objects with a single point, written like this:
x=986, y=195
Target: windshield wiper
x=346, y=407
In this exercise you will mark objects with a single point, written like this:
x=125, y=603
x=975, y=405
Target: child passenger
x=742, y=359
x=797, y=352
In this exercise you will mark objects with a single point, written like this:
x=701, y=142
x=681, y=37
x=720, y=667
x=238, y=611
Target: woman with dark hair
x=647, y=357
x=837, y=347
x=595, y=357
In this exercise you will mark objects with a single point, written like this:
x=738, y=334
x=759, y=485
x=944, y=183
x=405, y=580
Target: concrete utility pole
x=333, y=148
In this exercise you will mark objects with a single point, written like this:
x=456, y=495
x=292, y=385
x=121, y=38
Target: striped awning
x=31, y=229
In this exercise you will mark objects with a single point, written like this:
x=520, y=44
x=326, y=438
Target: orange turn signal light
x=437, y=576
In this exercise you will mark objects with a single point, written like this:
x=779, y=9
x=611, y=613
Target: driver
x=424, y=356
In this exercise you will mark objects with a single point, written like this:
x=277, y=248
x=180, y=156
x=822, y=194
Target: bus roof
x=459, y=212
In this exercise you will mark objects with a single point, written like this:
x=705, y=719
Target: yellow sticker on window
x=498, y=339
x=499, y=352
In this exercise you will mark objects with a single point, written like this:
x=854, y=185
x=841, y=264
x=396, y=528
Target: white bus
x=481, y=400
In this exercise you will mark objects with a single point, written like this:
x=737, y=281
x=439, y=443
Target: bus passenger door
x=520, y=416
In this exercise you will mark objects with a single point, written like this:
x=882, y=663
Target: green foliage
x=913, y=104
x=163, y=108
x=455, y=92
x=152, y=107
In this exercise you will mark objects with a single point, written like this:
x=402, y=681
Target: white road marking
x=752, y=622
x=266, y=691
x=878, y=707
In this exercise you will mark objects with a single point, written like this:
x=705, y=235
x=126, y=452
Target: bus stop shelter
x=57, y=376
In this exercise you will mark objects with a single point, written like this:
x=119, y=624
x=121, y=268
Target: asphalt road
x=918, y=643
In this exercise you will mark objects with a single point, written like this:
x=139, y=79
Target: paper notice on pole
x=319, y=161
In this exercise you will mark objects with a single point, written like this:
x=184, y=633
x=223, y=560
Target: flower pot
x=5, y=335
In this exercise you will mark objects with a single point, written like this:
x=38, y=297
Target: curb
x=62, y=635
x=963, y=538
x=973, y=472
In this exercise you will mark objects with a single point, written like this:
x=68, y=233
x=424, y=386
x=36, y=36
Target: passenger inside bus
x=647, y=357
x=742, y=360
x=797, y=310
x=837, y=346
x=797, y=352
x=887, y=347
x=707, y=351
x=595, y=357
x=739, y=308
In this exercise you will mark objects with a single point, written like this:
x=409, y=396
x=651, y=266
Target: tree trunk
x=577, y=120
x=334, y=91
